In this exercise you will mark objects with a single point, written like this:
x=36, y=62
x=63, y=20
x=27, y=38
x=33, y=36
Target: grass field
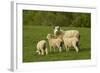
x=33, y=34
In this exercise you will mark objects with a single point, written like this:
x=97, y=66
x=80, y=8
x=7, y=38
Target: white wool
x=42, y=47
x=71, y=33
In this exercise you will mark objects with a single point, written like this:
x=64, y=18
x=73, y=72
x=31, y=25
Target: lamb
x=69, y=33
x=54, y=42
x=42, y=47
x=71, y=42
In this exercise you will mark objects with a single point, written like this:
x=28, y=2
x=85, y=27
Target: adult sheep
x=71, y=42
x=54, y=42
x=42, y=47
x=69, y=33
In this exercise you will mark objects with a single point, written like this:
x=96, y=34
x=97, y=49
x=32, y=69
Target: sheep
x=69, y=33
x=54, y=42
x=71, y=42
x=42, y=47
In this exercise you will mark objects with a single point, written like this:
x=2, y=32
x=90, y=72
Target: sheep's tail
x=44, y=47
x=78, y=44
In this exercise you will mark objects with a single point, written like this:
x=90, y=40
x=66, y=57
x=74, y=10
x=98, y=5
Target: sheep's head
x=57, y=28
x=49, y=36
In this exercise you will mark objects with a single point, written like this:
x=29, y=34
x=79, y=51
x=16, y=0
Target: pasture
x=33, y=34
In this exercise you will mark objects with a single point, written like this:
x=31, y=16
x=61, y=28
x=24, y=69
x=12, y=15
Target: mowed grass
x=33, y=34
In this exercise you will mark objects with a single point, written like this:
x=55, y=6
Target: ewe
x=54, y=42
x=69, y=33
x=42, y=47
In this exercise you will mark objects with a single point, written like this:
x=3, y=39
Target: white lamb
x=54, y=42
x=71, y=42
x=42, y=47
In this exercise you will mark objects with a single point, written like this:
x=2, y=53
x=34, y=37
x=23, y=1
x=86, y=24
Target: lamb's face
x=49, y=36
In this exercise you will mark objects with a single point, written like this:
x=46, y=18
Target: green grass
x=33, y=34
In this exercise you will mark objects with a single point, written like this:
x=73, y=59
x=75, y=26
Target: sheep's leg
x=60, y=49
x=39, y=52
x=42, y=52
x=67, y=49
x=50, y=49
x=46, y=51
x=76, y=48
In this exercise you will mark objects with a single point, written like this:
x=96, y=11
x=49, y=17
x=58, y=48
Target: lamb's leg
x=50, y=49
x=67, y=49
x=46, y=51
x=39, y=52
x=42, y=52
x=60, y=49
x=76, y=48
